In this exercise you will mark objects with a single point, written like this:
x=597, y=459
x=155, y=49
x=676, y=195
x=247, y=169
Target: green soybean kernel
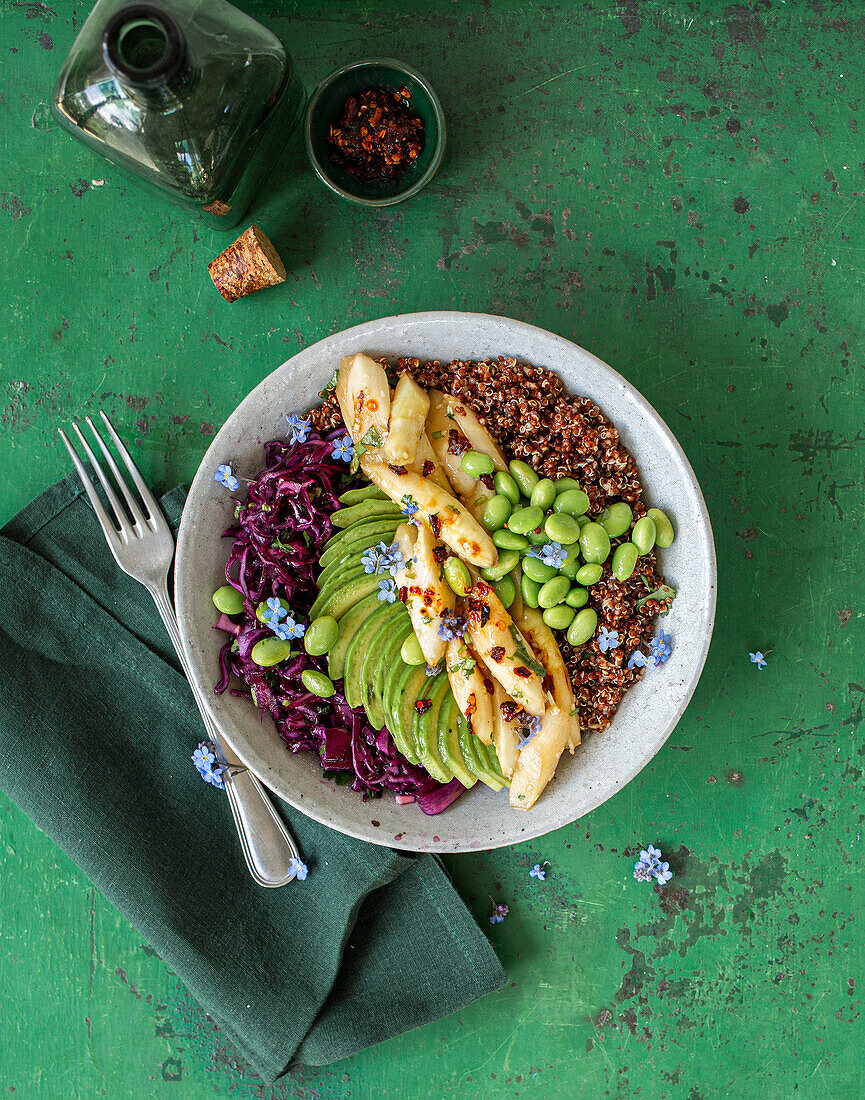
x=477, y=464
x=510, y=540
x=496, y=513
x=506, y=591
x=554, y=591
x=595, y=543
x=572, y=502
x=589, y=574
x=524, y=476
x=643, y=535
x=262, y=609
x=228, y=600
x=583, y=626
x=559, y=617
x=616, y=519
x=536, y=570
x=529, y=590
x=543, y=494
x=538, y=538
x=524, y=520
x=566, y=483
x=508, y=559
x=411, y=651
x=562, y=528
x=624, y=561
x=317, y=683
x=507, y=487
x=320, y=636
x=571, y=565
x=457, y=575
x=270, y=651
x=577, y=597
x=664, y=533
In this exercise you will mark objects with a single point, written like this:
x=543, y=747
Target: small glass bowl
x=325, y=107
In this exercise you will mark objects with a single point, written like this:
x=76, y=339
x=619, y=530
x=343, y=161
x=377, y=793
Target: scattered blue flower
x=642, y=872
x=209, y=768
x=274, y=612
x=409, y=506
x=451, y=626
x=607, y=639
x=433, y=670
x=650, y=854
x=663, y=873
x=387, y=590
x=343, y=448
x=661, y=648
x=758, y=659
x=553, y=554
x=289, y=629
x=225, y=476
x=299, y=867
x=371, y=559
x=391, y=558
x=299, y=428
x=637, y=659
x=650, y=866
x=499, y=913
x=538, y=871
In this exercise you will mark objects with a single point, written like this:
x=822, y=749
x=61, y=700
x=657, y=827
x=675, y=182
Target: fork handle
x=267, y=845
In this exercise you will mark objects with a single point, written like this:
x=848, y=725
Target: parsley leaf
x=522, y=654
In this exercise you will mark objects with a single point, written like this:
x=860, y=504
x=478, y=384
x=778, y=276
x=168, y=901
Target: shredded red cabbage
x=281, y=530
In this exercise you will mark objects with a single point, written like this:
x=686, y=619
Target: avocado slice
x=475, y=758
x=337, y=583
x=449, y=742
x=349, y=562
x=395, y=680
x=425, y=731
x=493, y=760
x=389, y=658
x=380, y=530
x=367, y=509
x=362, y=492
x=393, y=623
x=348, y=624
x=358, y=647
x=412, y=686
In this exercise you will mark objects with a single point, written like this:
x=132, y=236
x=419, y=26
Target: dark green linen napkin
x=97, y=725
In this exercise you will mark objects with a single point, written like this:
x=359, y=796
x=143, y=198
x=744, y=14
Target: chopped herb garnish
x=522, y=654
x=665, y=592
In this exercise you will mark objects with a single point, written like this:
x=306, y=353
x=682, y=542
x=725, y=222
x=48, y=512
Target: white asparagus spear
x=453, y=426
x=472, y=689
x=363, y=392
x=427, y=594
x=408, y=411
x=427, y=465
x=546, y=649
x=505, y=735
x=537, y=759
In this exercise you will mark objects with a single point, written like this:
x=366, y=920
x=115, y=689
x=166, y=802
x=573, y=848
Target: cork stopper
x=251, y=263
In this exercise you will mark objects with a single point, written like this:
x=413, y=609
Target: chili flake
x=422, y=705
x=376, y=137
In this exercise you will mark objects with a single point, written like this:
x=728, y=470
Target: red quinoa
x=529, y=412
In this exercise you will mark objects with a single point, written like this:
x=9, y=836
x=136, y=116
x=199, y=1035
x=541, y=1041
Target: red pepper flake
x=440, y=553
x=435, y=524
x=497, y=653
x=487, y=481
x=422, y=705
x=403, y=594
x=376, y=137
x=457, y=442
x=428, y=467
x=509, y=710
x=398, y=470
x=522, y=671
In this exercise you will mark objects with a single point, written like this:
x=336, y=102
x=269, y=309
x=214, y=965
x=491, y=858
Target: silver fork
x=144, y=548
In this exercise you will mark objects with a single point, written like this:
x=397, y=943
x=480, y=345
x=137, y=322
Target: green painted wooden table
x=678, y=188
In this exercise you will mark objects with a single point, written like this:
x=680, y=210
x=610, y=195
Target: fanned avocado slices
x=348, y=625
x=425, y=730
x=366, y=509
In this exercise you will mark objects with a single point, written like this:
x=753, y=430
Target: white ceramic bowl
x=606, y=761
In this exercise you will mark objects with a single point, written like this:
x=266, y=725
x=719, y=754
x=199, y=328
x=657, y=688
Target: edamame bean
x=554, y=591
x=624, y=561
x=529, y=590
x=411, y=651
x=524, y=476
x=589, y=574
x=538, y=538
x=458, y=577
x=574, y=502
x=262, y=610
x=562, y=528
x=496, y=513
x=506, y=591
x=571, y=565
x=566, y=483
x=510, y=540
x=507, y=560
x=559, y=617
x=664, y=533
x=577, y=597
x=582, y=627
x=616, y=519
x=595, y=543
x=524, y=520
x=583, y=520
x=270, y=651
x=228, y=600
x=643, y=535
x=543, y=494
x=320, y=636
x=535, y=569
x=507, y=487
x=477, y=464
x=317, y=683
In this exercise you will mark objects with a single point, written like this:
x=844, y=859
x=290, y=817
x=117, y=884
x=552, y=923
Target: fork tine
x=141, y=485
x=105, y=523
x=119, y=515
x=131, y=503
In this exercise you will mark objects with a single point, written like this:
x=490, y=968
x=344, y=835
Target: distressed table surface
x=677, y=187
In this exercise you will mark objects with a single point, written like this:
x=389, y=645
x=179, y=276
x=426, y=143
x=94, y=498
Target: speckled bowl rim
x=441, y=134
x=606, y=761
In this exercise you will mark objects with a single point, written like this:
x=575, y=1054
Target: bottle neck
x=145, y=49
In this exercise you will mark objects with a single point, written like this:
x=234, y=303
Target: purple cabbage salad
x=280, y=533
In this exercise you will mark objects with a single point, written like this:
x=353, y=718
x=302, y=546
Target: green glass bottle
x=193, y=97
